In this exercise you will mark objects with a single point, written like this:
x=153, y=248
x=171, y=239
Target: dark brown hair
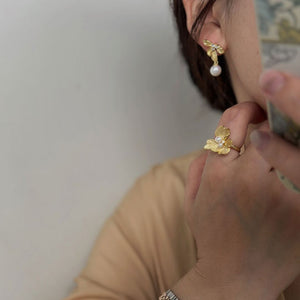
x=217, y=90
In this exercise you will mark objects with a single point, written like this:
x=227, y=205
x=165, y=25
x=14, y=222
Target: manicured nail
x=259, y=139
x=271, y=82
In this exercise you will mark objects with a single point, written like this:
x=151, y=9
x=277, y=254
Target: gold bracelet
x=168, y=295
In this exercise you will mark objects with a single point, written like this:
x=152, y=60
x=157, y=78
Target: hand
x=284, y=92
x=245, y=223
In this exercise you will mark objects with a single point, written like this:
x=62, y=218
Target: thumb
x=193, y=181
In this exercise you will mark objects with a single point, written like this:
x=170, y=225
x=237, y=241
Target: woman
x=242, y=235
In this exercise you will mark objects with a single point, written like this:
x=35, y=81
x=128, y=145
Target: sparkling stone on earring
x=215, y=70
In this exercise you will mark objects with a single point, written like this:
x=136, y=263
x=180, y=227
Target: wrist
x=187, y=288
x=194, y=286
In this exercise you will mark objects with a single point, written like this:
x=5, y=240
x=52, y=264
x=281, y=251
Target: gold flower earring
x=213, y=51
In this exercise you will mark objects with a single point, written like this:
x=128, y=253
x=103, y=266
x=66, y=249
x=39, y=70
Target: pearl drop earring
x=213, y=51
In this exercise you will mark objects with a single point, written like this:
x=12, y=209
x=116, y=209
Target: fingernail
x=259, y=139
x=271, y=82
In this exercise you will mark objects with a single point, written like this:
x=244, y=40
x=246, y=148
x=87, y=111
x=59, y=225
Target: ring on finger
x=222, y=143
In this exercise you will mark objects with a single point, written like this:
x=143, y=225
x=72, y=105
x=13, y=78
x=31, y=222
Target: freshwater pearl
x=215, y=70
x=219, y=141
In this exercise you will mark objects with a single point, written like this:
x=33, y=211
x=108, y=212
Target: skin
x=283, y=90
x=246, y=224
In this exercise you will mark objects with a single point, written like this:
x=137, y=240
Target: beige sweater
x=145, y=247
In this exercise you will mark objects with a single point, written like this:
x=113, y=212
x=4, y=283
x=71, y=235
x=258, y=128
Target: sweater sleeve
x=145, y=246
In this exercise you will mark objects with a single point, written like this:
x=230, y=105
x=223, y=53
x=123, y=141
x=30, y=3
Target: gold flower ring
x=221, y=144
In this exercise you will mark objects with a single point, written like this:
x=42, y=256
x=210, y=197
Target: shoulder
x=145, y=246
x=151, y=213
x=151, y=218
x=161, y=188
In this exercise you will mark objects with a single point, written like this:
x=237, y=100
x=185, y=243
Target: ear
x=214, y=24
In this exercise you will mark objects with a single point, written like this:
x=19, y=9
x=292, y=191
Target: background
x=93, y=93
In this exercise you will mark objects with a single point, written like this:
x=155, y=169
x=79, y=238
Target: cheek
x=244, y=49
x=247, y=59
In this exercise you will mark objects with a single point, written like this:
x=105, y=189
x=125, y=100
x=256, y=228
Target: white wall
x=92, y=93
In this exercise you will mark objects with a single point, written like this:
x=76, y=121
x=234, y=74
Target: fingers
x=237, y=119
x=279, y=154
x=283, y=91
x=254, y=162
x=193, y=181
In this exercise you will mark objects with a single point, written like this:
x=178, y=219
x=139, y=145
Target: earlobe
x=213, y=32
x=212, y=28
